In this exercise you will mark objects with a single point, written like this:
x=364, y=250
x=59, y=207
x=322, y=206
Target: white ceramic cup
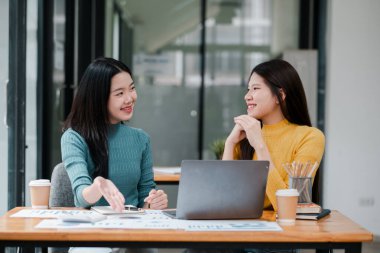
x=39, y=193
x=287, y=200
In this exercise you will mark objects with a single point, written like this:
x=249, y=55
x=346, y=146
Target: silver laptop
x=218, y=189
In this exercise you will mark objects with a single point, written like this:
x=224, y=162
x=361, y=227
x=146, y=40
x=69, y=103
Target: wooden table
x=332, y=232
x=166, y=178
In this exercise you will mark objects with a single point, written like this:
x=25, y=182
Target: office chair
x=61, y=195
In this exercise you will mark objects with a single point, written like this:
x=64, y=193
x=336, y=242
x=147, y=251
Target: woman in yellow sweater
x=277, y=125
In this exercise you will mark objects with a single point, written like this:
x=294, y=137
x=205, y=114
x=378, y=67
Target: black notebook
x=313, y=216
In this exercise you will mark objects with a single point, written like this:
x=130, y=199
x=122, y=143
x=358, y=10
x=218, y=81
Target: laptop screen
x=215, y=189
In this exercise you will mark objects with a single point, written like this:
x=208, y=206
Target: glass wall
x=161, y=42
x=58, y=85
x=4, y=48
x=31, y=96
x=239, y=35
x=31, y=104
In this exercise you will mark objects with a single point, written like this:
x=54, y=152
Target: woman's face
x=262, y=104
x=122, y=98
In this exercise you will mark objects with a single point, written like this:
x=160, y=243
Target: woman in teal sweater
x=107, y=161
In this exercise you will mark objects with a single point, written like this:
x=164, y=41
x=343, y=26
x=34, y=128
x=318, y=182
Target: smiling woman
x=108, y=162
x=277, y=125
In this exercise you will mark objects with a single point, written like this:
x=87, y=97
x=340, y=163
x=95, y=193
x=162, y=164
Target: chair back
x=61, y=193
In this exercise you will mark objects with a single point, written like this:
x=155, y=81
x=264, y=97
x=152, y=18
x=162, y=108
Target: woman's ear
x=283, y=95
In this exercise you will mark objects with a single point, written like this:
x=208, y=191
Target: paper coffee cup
x=39, y=193
x=287, y=200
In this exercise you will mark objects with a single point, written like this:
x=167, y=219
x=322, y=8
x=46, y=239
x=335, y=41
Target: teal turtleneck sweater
x=130, y=164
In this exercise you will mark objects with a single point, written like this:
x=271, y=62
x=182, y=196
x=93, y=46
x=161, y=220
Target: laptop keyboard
x=170, y=213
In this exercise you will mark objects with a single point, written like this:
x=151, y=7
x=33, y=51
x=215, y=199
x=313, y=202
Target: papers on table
x=111, y=223
x=167, y=170
x=64, y=215
x=150, y=219
x=51, y=213
x=108, y=210
x=217, y=225
x=232, y=225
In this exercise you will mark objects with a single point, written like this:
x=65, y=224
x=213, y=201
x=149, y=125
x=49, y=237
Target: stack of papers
x=52, y=214
x=167, y=170
x=149, y=219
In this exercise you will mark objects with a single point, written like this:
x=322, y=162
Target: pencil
x=313, y=169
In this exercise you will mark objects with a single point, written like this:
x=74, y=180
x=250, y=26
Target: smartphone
x=131, y=208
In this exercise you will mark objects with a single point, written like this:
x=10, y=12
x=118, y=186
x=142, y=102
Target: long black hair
x=89, y=111
x=280, y=76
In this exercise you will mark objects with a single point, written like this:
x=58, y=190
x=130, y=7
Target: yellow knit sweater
x=288, y=142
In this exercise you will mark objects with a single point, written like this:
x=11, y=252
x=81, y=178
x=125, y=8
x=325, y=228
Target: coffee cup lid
x=287, y=192
x=40, y=182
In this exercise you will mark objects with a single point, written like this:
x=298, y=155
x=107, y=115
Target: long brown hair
x=280, y=75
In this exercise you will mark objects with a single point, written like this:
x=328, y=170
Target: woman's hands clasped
x=251, y=128
x=236, y=135
x=246, y=127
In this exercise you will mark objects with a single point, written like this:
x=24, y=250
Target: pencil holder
x=303, y=186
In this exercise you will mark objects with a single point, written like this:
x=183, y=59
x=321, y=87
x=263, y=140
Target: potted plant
x=217, y=147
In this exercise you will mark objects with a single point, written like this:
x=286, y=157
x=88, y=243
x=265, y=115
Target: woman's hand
x=252, y=129
x=110, y=192
x=236, y=135
x=157, y=199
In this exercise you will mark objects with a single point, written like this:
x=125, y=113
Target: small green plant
x=218, y=147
